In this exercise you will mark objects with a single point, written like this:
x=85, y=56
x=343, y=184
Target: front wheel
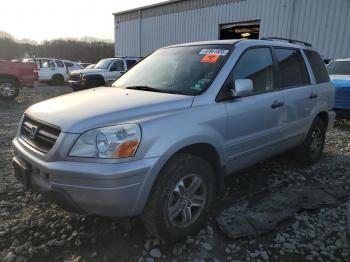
x=181, y=198
x=9, y=89
x=312, y=148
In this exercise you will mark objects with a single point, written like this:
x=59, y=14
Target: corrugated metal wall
x=324, y=23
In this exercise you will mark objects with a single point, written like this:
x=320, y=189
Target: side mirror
x=243, y=87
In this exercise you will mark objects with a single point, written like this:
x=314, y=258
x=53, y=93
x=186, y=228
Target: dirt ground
x=33, y=229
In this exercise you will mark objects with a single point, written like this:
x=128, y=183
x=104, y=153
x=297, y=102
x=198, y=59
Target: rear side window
x=68, y=64
x=318, y=67
x=257, y=65
x=292, y=68
x=130, y=63
x=59, y=63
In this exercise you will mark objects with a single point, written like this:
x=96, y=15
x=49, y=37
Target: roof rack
x=292, y=41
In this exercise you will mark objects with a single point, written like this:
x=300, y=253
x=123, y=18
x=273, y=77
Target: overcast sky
x=47, y=19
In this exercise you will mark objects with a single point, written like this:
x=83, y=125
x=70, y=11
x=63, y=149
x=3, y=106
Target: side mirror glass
x=243, y=87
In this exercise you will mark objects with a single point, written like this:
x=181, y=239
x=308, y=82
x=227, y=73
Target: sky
x=49, y=19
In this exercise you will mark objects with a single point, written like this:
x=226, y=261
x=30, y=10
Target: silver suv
x=159, y=142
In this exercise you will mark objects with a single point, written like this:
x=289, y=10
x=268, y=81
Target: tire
x=310, y=151
x=57, y=80
x=165, y=198
x=9, y=88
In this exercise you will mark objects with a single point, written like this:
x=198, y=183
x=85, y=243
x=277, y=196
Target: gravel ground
x=32, y=229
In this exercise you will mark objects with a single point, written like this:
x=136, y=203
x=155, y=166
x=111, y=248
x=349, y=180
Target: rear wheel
x=9, y=88
x=57, y=80
x=181, y=198
x=312, y=148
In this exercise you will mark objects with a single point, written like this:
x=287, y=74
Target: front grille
x=74, y=77
x=39, y=135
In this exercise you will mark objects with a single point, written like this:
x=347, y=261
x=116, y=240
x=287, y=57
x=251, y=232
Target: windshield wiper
x=152, y=89
x=144, y=88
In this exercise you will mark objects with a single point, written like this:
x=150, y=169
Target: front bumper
x=76, y=82
x=113, y=189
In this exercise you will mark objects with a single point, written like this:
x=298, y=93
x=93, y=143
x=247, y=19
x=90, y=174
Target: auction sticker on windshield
x=209, y=58
x=220, y=52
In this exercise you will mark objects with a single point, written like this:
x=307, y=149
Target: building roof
x=147, y=6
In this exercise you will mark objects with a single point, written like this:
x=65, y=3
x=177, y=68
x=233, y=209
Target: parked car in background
x=84, y=65
x=103, y=73
x=159, y=142
x=339, y=71
x=90, y=66
x=72, y=65
x=51, y=71
x=14, y=75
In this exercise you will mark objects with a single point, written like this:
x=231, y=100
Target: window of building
x=292, y=68
x=257, y=65
x=247, y=30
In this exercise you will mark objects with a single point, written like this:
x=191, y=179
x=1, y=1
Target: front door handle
x=313, y=96
x=277, y=104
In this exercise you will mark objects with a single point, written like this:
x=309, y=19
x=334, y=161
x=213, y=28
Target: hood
x=104, y=106
x=87, y=71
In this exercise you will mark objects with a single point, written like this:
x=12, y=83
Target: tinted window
x=117, y=66
x=256, y=64
x=292, y=68
x=59, y=63
x=318, y=67
x=339, y=68
x=130, y=63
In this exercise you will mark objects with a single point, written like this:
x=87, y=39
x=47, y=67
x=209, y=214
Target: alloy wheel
x=187, y=201
x=7, y=89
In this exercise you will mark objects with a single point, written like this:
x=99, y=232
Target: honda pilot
x=160, y=140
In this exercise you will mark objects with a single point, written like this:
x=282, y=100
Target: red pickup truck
x=14, y=75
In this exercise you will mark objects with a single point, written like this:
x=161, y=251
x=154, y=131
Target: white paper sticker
x=220, y=52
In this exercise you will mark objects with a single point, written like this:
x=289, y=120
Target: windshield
x=104, y=63
x=180, y=70
x=339, y=68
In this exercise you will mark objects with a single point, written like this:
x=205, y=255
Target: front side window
x=187, y=70
x=257, y=65
x=339, y=68
x=292, y=68
x=118, y=65
x=318, y=67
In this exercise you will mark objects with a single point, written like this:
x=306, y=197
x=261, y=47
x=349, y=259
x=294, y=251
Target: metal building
x=323, y=23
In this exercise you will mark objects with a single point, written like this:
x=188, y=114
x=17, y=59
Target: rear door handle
x=276, y=104
x=313, y=96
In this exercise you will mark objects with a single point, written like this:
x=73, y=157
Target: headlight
x=108, y=142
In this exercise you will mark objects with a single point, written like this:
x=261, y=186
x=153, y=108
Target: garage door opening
x=247, y=30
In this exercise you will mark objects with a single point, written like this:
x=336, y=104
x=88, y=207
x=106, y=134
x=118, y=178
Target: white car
x=103, y=73
x=50, y=70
